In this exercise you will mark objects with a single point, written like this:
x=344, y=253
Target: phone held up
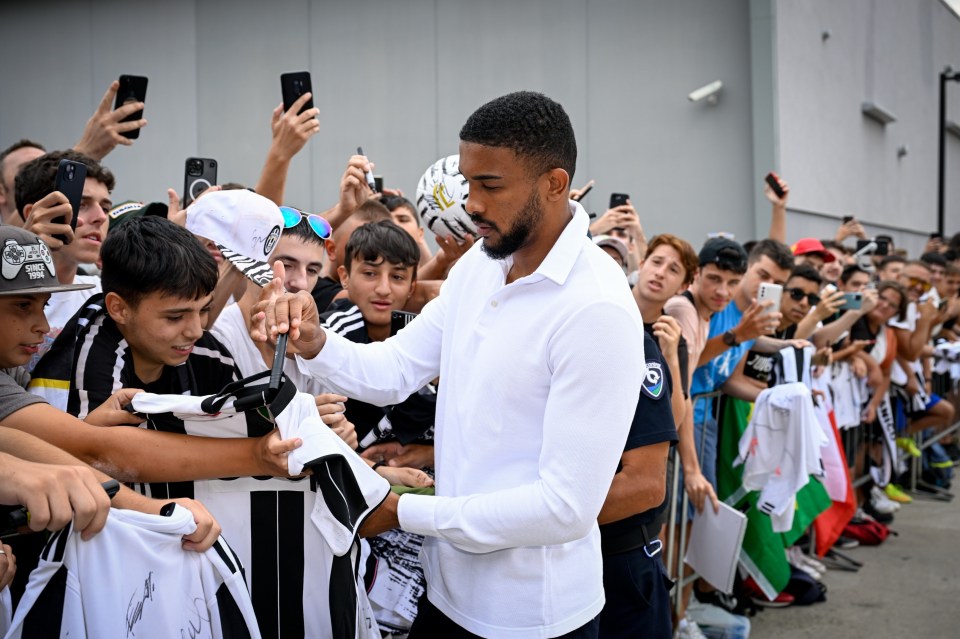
x=883, y=247
x=618, y=199
x=133, y=88
x=399, y=319
x=293, y=85
x=852, y=301
x=772, y=292
x=774, y=184
x=70, y=179
x=199, y=174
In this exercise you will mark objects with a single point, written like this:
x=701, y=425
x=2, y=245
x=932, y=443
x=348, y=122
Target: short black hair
x=934, y=259
x=38, y=177
x=382, y=240
x=806, y=272
x=535, y=127
x=153, y=255
x=303, y=232
x=890, y=259
x=850, y=270
x=394, y=202
x=779, y=252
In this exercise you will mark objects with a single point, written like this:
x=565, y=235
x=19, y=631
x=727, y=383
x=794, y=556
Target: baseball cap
x=812, y=245
x=26, y=265
x=724, y=251
x=614, y=242
x=244, y=226
x=130, y=209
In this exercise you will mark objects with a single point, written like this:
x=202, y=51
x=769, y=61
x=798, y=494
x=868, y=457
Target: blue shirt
x=713, y=374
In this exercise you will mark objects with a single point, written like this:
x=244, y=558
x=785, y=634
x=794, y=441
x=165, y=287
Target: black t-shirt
x=324, y=291
x=412, y=419
x=683, y=356
x=652, y=424
x=861, y=330
x=759, y=365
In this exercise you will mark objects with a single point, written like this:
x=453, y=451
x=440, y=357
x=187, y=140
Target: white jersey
x=133, y=579
x=780, y=449
x=295, y=538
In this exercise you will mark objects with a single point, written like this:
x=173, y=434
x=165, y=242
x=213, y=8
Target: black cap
x=725, y=252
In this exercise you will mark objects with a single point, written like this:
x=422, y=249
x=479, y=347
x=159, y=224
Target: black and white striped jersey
x=133, y=579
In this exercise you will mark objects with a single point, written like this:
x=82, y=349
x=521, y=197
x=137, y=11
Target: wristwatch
x=730, y=339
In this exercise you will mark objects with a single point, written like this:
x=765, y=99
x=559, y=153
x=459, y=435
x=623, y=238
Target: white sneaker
x=799, y=560
x=688, y=629
x=881, y=503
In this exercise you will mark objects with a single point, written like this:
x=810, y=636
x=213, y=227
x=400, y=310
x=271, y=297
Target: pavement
x=908, y=587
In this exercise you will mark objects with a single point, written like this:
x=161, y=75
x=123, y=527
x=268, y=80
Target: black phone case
x=196, y=182
x=774, y=185
x=399, y=319
x=133, y=88
x=618, y=199
x=293, y=85
x=70, y=179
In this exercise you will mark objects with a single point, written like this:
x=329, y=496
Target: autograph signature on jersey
x=195, y=626
x=135, y=609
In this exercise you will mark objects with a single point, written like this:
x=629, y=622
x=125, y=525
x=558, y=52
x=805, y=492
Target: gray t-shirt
x=13, y=392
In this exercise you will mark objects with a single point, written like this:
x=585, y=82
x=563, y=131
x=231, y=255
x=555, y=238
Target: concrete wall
x=832, y=57
x=400, y=78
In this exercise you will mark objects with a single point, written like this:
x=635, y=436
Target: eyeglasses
x=320, y=226
x=797, y=294
x=916, y=282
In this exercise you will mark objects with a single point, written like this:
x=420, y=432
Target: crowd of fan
x=876, y=333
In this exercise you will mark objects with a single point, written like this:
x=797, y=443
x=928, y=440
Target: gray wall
x=840, y=162
x=399, y=78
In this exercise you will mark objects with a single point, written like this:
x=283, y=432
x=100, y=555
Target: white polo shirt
x=539, y=381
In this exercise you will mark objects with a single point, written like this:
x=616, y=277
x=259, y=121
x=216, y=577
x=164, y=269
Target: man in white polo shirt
x=537, y=344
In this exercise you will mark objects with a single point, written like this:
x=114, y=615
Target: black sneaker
x=883, y=518
x=846, y=543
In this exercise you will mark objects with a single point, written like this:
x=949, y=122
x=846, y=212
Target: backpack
x=805, y=589
x=867, y=532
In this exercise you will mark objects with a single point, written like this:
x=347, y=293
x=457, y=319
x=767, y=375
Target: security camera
x=708, y=92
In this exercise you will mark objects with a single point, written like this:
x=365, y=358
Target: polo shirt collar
x=558, y=263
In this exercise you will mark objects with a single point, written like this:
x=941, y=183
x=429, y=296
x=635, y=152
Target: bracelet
x=378, y=465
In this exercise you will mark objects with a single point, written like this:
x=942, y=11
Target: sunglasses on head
x=292, y=217
x=797, y=294
x=916, y=282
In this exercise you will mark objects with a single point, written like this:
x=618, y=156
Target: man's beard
x=519, y=234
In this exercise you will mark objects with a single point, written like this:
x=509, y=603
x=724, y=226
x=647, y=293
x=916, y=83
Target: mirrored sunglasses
x=319, y=225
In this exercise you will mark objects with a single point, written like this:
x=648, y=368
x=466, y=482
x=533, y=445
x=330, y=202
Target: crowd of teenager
x=497, y=456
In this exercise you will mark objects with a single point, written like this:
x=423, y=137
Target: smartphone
x=847, y=219
x=133, y=88
x=852, y=301
x=883, y=247
x=583, y=194
x=199, y=174
x=618, y=199
x=936, y=235
x=774, y=185
x=70, y=179
x=770, y=291
x=293, y=85
x=378, y=183
x=399, y=319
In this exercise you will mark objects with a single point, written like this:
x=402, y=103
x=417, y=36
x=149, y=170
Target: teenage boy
x=520, y=336
x=56, y=495
x=146, y=331
x=40, y=204
x=379, y=275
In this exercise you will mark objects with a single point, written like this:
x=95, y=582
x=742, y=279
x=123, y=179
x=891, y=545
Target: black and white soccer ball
x=442, y=199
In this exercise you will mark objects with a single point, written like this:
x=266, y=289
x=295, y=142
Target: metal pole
x=941, y=163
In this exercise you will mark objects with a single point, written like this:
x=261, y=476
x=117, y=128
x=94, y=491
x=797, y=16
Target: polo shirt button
x=493, y=303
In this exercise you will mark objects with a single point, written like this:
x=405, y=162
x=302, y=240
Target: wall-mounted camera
x=708, y=92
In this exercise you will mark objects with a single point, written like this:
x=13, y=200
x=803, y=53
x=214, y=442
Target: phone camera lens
x=70, y=172
x=195, y=167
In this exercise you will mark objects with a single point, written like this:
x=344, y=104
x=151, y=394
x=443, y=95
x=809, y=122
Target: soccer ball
x=442, y=197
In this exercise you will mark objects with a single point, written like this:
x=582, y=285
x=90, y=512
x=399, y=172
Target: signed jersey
x=134, y=580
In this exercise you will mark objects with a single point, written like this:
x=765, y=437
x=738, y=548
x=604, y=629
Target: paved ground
x=909, y=587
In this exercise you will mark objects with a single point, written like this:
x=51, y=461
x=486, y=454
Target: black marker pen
x=368, y=174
